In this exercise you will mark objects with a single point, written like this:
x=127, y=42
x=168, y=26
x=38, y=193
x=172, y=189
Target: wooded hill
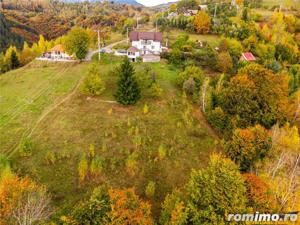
x=25, y=20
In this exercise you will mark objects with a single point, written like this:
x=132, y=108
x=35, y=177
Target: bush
x=275, y=66
x=194, y=73
x=93, y=83
x=189, y=86
x=83, y=168
x=96, y=166
x=155, y=90
x=150, y=189
x=218, y=119
x=162, y=152
x=25, y=147
x=50, y=157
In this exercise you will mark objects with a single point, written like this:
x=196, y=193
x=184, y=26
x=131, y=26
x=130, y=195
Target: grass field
x=125, y=138
x=27, y=92
x=213, y=40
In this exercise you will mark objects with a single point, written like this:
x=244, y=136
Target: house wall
x=149, y=47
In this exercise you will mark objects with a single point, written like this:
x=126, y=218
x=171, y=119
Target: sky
x=154, y=2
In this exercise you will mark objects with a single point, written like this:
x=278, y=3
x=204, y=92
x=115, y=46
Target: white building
x=57, y=53
x=147, y=45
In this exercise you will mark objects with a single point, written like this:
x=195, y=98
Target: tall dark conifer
x=128, y=92
x=14, y=61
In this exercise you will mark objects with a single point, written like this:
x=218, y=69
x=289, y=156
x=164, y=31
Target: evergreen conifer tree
x=14, y=61
x=128, y=92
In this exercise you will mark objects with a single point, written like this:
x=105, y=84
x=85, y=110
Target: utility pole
x=156, y=25
x=137, y=22
x=127, y=37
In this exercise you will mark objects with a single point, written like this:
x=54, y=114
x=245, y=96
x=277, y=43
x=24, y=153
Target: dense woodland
x=188, y=140
x=23, y=20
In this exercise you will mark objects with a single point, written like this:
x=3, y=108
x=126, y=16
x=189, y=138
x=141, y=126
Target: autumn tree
x=26, y=55
x=77, y=42
x=224, y=62
x=174, y=210
x=259, y=194
x=256, y=95
x=248, y=146
x=93, y=211
x=191, y=72
x=282, y=171
x=202, y=23
x=22, y=201
x=110, y=206
x=233, y=47
x=93, y=83
x=128, y=208
x=42, y=44
x=128, y=92
x=215, y=191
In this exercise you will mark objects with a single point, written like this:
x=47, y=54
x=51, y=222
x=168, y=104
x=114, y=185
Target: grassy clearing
x=27, y=92
x=125, y=139
x=209, y=38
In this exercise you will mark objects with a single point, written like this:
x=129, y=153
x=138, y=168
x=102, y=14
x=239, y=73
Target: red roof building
x=154, y=36
x=247, y=56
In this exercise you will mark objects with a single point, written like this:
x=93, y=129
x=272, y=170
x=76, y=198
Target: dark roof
x=155, y=36
x=132, y=49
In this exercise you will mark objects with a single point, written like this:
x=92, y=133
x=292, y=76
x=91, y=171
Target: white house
x=57, y=53
x=133, y=53
x=147, y=45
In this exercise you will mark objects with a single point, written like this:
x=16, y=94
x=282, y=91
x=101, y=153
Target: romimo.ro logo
x=263, y=217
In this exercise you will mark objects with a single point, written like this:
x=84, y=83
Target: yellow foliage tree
x=202, y=23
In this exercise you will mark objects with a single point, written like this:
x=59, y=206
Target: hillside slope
x=6, y=36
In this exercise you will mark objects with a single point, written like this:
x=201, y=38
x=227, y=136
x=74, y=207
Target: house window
x=153, y=47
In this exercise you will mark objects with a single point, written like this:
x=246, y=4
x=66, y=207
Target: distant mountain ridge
x=129, y=2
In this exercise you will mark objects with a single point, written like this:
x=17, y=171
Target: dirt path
x=107, y=48
x=199, y=115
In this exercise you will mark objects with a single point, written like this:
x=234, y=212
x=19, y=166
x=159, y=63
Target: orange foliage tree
x=22, y=201
x=258, y=193
x=127, y=208
x=248, y=146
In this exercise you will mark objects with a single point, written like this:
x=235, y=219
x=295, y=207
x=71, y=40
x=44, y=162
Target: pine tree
x=128, y=92
x=14, y=61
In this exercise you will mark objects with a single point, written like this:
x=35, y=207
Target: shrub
x=191, y=72
x=189, y=86
x=96, y=166
x=162, y=152
x=146, y=109
x=150, y=189
x=50, y=157
x=91, y=151
x=25, y=147
x=275, y=66
x=155, y=90
x=218, y=119
x=83, y=168
x=131, y=164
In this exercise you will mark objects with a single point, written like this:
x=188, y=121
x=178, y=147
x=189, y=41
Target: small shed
x=247, y=56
